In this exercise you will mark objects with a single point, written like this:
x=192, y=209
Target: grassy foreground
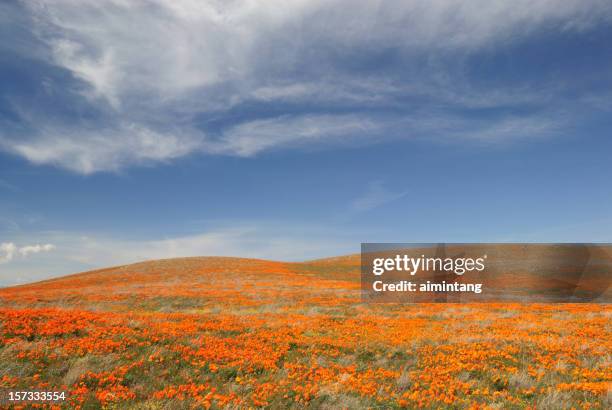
x=243, y=333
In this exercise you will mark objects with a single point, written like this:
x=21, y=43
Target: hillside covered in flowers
x=244, y=333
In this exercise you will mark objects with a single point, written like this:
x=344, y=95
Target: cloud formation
x=8, y=250
x=29, y=249
x=249, y=138
x=129, y=82
x=91, y=150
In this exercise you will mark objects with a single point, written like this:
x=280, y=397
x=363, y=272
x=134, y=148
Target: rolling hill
x=246, y=333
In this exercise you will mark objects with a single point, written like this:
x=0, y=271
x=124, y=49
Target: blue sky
x=134, y=130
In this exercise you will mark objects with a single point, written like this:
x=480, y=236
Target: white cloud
x=157, y=70
x=165, y=47
x=29, y=249
x=252, y=137
x=173, y=46
x=513, y=127
x=8, y=250
x=101, y=73
x=509, y=128
x=86, y=151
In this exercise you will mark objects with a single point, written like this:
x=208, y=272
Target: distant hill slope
x=517, y=268
x=207, y=278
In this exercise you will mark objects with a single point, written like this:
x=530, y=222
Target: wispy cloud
x=376, y=195
x=8, y=250
x=252, y=137
x=91, y=150
x=305, y=65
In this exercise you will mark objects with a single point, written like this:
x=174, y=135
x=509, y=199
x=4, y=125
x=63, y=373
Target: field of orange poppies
x=244, y=333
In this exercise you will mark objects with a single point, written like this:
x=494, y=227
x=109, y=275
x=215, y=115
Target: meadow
x=244, y=333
